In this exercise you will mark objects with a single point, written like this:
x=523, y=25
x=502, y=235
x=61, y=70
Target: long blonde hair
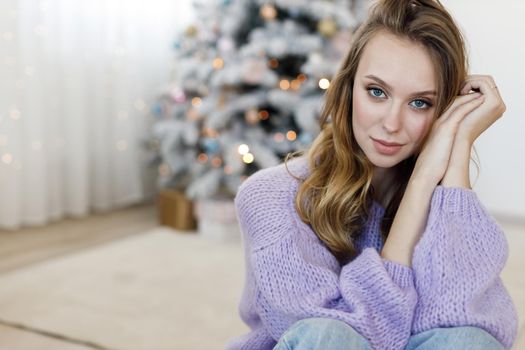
x=335, y=197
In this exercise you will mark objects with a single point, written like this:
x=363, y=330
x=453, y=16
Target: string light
x=268, y=12
x=264, y=114
x=7, y=158
x=251, y=116
x=202, y=158
x=228, y=170
x=284, y=84
x=218, y=63
x=273, y=63
x=216, y=162
x=243, y=149
x=291, y=135
x=196, y=101
x=248, y=158
x=295, y=84
x=324, y=83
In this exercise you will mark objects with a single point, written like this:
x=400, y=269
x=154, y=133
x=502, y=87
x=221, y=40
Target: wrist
x=421, y=180
x=457, y=174
x=421, y=184
x=464, y=139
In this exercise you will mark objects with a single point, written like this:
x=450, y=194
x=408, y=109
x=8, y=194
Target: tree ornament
x=211, y=145
x=191, y=31
x=178, y=95
x=327, y=27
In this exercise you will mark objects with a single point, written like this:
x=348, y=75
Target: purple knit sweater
x=291, y=275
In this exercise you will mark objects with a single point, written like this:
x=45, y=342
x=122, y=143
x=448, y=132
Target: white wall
x=495, y=34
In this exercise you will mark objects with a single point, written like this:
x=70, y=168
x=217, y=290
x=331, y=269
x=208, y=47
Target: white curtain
x=76, y=80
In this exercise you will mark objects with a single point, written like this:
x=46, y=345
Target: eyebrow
x=382, y=82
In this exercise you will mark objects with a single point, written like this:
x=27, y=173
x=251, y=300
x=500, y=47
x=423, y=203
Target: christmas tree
x=247, y=89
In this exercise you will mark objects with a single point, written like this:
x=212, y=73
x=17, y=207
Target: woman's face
x=394, y=95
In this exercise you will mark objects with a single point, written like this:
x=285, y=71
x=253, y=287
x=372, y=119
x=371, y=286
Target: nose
x=393, y=119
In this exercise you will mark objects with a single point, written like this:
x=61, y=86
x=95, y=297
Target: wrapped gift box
x=176, y=210
x=217, y=219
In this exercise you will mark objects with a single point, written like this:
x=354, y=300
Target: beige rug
x=157, y=290
x=154, y=291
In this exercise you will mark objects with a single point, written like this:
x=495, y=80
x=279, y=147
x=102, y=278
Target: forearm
x=457, y=174
x=409, y=222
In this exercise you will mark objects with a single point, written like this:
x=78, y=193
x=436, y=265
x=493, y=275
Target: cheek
x=362, y=111
x=419, y=127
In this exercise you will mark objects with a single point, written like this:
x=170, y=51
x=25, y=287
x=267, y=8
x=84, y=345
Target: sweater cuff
x=402, y=275
x=459, y=200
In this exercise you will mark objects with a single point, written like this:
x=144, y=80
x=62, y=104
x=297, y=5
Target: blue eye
x=420, y=104
x=375, y=92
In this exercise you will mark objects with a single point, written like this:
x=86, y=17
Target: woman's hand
x=493, y=107
x=473, y=125
x=433, y=161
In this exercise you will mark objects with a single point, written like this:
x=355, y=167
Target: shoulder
x=279, y=179
x=265, y=201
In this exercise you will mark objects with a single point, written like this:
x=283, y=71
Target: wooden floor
x=32, y=245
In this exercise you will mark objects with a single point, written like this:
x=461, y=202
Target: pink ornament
x=178, y=96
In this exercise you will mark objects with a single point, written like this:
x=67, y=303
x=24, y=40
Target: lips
x=386, y=148
x=389, y=144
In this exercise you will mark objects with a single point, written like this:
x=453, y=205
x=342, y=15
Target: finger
x=461, y=111
x=484, y=84
x=458, y=101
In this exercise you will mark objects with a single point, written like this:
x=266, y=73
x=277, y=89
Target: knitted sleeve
x=292, y=275
x=456, y=267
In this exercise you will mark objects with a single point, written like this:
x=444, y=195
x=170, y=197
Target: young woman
x=374, y=238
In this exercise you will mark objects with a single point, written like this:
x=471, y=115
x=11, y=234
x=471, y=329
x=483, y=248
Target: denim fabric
x=331, y=334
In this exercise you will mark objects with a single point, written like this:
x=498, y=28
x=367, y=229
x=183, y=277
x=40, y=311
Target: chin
x=384, y=161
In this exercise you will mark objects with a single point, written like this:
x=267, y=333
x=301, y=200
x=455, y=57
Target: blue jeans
x=330, y=334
